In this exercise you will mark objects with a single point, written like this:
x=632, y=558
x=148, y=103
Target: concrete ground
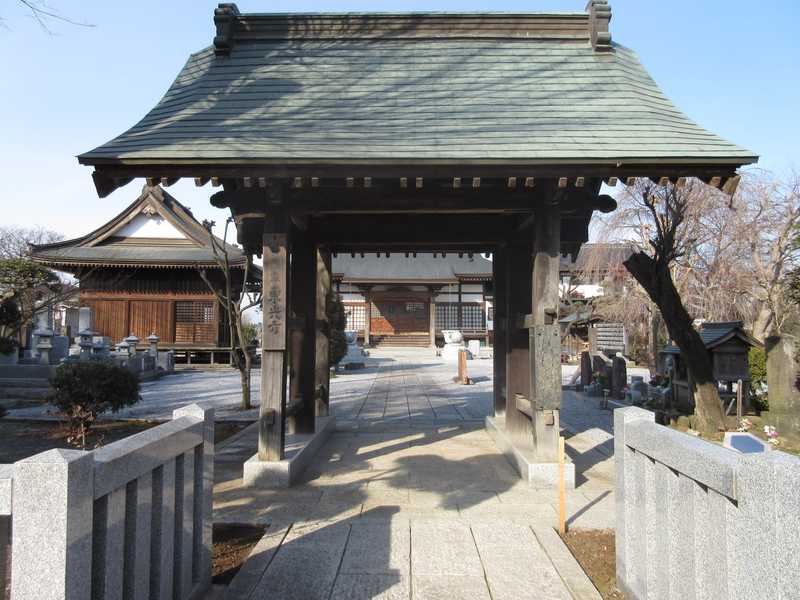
x=410, y=498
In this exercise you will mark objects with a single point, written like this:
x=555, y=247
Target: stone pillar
x=545, y=336
x=322, y=371
x=500, y=332
x=44, y=344
x=153, y=340
x=86, y=344
x=518, y=261
x=52, y=526
x=303, y=300
x=274, y=316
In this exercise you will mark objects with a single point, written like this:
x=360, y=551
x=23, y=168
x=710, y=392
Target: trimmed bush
x=337, y=345
x=84, y=390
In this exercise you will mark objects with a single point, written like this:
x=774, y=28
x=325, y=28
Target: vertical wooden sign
x=274, y=299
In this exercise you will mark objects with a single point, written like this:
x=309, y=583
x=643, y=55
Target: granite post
x=619, y=377
x=586, y=369
x=52, y=526
x=784, y=396
x=153, y=340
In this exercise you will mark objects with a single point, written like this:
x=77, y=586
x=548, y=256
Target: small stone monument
x=586, y=369
x=354, y=359
x=619, y=377
x=784, y=397
x=152, y=341
x=453, y=343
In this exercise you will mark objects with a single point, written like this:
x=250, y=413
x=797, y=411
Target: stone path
x=410, y=498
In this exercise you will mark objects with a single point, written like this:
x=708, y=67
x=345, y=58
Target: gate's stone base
x=300, y=452
x=539, y=474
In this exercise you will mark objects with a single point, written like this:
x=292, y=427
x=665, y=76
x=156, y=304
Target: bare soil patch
x=232, y=546
x=20, y=439
x=595, y=551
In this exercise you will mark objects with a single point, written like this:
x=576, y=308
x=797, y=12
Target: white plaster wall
x=142, y=226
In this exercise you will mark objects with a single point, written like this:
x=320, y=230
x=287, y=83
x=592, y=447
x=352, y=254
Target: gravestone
x=85, y=319
x=619, y=377
x=784, y=397
x=586, y=369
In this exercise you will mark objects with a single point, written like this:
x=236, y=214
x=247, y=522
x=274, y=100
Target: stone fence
x=697, y=520
x=128, y=520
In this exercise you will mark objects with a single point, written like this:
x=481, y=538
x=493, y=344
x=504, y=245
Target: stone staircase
x=18, y=393
x=403, y=340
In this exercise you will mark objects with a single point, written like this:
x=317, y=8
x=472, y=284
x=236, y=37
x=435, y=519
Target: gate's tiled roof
x=422, y=87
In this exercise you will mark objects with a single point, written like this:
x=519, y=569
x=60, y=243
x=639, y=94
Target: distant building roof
x=598, y=257
x=154, y=231
x=714, y=334
x=424, y=268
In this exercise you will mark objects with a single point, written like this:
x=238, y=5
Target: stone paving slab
x=421, y=504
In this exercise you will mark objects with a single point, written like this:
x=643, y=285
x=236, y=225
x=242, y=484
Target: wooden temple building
x=406, y=299
x=139, y=275
x=414, y=133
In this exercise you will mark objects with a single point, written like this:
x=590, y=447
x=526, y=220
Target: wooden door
x=152, y=316
x=394, y=317
x=196, y=322
x=110, y=318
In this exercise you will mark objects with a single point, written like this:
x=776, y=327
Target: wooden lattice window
x=194, y=312
x=472, y=316
x=356, y=316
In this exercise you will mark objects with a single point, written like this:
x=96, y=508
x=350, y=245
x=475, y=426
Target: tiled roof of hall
x=418, y=88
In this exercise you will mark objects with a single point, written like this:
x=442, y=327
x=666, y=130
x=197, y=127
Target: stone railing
x=696, y=520
x=129, y=520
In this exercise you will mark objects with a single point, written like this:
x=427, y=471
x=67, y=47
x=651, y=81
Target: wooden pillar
x=367, y=316
x=432, y=317
x=303, y=301
x=500, y=322
x=545, y=337
x=518, y=380
x=322, y=372
x=274, y=316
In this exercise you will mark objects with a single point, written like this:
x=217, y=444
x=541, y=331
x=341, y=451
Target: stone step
x=403, y=340
x=23, y=390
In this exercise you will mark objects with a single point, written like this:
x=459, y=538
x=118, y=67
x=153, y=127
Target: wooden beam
x=630, y=181
x=456, y=182
x=681, y=182
x=476, y=183
x=419, y=183
x=731, y=185
x=315, y=182
x=562, y=182
x=404, y=182
x=512, y=182
x=152, y=181
x=715, y=181
x=612, y=181
x=580, y=182
x=351, y=182
x=663, y=181
x=168, y=181
x=367, y=182
x=322, y=372
x=201, y=181
x=215, y=181
x=298, y=183
x=530, y=182
x=247, y=182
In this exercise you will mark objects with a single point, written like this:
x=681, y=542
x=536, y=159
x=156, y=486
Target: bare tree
x=45, y=14
x=667, y=211
x=236, y=298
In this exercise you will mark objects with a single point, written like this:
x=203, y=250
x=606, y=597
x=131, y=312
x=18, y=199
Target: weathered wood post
x=545, y=337
x=500, y=332
x=322, y=372
x=271, y=432
x=303, y=300
x=518, y=379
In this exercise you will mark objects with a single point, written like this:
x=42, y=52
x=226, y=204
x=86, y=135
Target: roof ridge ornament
x=225, y=18
x=599, y=18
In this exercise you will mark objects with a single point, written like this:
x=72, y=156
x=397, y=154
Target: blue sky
x=732, y=66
